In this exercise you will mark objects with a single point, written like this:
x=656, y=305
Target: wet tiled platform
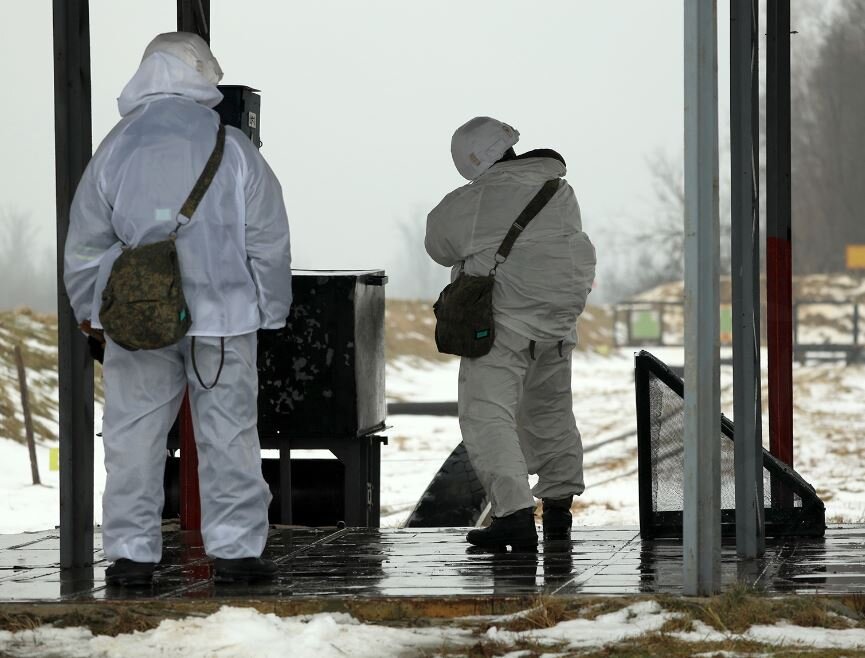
x=362, y=563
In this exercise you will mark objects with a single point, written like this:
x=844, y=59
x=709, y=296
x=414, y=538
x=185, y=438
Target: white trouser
x=516, y=415
x=143, y=393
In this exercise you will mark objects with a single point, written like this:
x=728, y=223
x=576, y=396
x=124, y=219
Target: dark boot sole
x=518, y=547
x=242, y=579
x=557, y=535
x=129, y=582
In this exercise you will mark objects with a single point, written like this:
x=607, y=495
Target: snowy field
x=829, y=421
x=829, y=447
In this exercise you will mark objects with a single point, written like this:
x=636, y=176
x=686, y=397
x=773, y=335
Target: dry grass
x=856, y=603
x=486, y=648
x=410, y=330
x=733, y=612
x=18, y=622
x=607, y=606
x=659, y=644
x=546, y=613
x=36, y=333
x=101, y=620
x=741, y=607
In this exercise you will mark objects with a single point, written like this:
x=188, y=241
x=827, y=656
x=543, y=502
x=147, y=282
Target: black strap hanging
x=528, y=214
x=204, y=180
x=188, y=210
x=221, y=363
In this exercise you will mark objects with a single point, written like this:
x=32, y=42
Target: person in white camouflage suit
x=515, y=403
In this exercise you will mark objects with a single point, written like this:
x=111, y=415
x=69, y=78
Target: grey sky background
x=360, y=98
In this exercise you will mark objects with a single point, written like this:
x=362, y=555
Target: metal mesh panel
x=667, y=413
x=660, y=420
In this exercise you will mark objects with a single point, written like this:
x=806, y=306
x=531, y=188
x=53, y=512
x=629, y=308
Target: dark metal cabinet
x=241, y=107
x=321, y=386
x=322, y=376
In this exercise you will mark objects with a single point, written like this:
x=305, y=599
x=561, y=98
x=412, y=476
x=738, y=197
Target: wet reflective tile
x=369, y=563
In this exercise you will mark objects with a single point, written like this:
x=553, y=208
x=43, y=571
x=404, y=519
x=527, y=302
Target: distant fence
x=822, y=329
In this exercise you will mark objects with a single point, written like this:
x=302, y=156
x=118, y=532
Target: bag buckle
x=498, y=262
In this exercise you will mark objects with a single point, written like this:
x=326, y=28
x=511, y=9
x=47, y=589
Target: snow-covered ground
x=829, y=446
x=829, y=443
x=245, y=632
x=604, y=408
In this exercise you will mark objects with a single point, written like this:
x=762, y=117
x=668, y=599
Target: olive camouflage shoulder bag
x=143, y=306
x=464, y=310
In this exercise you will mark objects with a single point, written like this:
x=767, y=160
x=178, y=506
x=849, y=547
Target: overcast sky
x=360, y=98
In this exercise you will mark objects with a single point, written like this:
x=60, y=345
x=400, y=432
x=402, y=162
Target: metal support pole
x=745, y=252
x=192, y=16
x=286, y=504
x=72, y=147
x=702, y=477
x=779, y=271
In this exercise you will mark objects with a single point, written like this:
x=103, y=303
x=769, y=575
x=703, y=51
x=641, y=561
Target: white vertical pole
x=702, y=477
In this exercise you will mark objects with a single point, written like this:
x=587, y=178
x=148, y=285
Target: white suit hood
x=234, y=254
x=479, y=143
x=160, y=75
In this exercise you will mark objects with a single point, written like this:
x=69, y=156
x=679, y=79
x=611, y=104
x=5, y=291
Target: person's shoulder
x=237, y=135
x=108, y=146
x=462, y=194
x=244, y=152
x=236, y=139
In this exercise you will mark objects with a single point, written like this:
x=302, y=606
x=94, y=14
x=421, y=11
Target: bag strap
x=528, y=214
x=204, y=180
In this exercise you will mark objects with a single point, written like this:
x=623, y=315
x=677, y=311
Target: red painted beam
x=779, y=240
x=190, y=499
x=779, y=329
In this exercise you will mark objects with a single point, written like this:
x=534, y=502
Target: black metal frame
x=805, y=521
x=73, y=144
x=745, y=257
x=361, y=457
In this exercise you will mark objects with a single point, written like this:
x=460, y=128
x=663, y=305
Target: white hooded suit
x=515, y=403
x=236, y=272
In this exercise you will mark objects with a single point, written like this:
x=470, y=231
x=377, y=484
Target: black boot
x=516, y=530
x=243, y=570
x=127, y=573
x=557, y=518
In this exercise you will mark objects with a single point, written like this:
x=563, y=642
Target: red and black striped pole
x=192, y=16
x=779, y=262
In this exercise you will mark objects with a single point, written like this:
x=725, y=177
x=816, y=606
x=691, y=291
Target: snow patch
x=629, y=622
x=784, y=633
x=235, y=632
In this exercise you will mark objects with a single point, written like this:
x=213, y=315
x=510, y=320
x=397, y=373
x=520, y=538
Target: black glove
x=97, y=349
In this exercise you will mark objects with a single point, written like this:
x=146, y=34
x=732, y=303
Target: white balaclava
x=189, y=48
x=479, y=143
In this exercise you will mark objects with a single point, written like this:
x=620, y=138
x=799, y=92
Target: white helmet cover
x=479, y=143
x=190, y=49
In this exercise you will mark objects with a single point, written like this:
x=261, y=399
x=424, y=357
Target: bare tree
x=26, y=268
x=828, y=143
x=417, y=276
x=654, y=253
